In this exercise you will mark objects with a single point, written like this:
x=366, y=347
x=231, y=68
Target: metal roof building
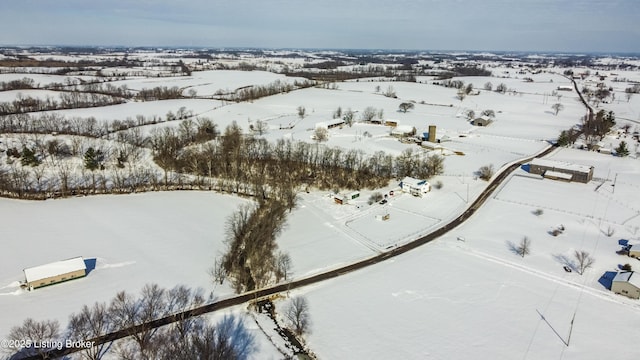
x=55, y=272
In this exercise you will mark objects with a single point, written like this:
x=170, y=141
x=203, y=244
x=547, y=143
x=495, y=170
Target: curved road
x=246, y=297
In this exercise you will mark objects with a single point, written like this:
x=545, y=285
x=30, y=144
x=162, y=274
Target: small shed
x=483, y=120
x=403, y=130
x=626, y=283
x=391, y=123
x=634, y=251
x=330, y=124
x=415, y=186
x=55, y=272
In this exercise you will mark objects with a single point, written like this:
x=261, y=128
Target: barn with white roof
x=55, y=272
x=627, y=283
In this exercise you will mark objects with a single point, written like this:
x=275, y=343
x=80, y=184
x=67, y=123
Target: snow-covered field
x=476, y=298
x=165, y=238
x=450, y=299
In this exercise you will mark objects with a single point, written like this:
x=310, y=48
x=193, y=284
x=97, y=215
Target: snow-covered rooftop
x=413, y=181
x=561, y=165
x=628, y=276
x=558, y=175
x=54, y=269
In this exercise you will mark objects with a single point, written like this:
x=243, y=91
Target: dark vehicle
x=567, y=269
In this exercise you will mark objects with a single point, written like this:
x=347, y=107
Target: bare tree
x=217, y=272
x=524, y=247
x=368, y=113
x=390, y=92
x=338, y=113
x=490, y=113
x=282, y=266
x=127, y=312
x=90, y=323
x=461, y=94
x=610, y=231
x=584, y=260
x=298, y=315
x=348, y=117
x=486, y=172
x=34, y=332
x=405, y=106
x=228, y=340
x=260, y=127
x=470, y=114
x=301, y=112
x=321, y=134
x=557, y=107
x=488, y=86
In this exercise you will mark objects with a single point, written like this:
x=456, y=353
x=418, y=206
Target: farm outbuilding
x=579, y=173
x=626, y=283
x=481, y=121
x=415, y=186
x=330, y=124
x=634, y=251
x=55, y=272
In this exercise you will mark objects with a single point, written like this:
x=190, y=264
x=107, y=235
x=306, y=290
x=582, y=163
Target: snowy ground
x=478, y=299
x=164, y=238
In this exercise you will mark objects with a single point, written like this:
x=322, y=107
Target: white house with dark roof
x=627, y=283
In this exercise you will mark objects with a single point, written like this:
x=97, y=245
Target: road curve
x=330, y=274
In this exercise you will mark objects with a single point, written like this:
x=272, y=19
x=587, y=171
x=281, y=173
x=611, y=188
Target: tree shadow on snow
x=513, y=247
x=240, y=340
x=90, y=264
x=565, y=261
x=607, y=279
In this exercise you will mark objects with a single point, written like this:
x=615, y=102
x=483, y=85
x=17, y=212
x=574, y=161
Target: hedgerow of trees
x=184, y=339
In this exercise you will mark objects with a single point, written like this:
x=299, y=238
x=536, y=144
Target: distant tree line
x=251, y=93
x=53, y=123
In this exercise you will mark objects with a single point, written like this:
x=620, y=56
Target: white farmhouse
x=415, y=187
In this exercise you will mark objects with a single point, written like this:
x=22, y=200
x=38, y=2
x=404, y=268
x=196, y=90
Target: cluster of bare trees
x=298, y=315
x=595, y=127
x=18, y=84
x=66, y=100
x=159, y=93
x=185, y=338
x=42, y=167
x=277, y=87
x=48, y=123
x=251, y=260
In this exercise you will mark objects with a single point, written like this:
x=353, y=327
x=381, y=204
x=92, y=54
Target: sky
x=507, y=25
